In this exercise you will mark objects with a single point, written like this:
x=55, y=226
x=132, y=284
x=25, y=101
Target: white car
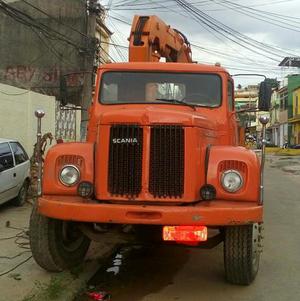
x=14, y=172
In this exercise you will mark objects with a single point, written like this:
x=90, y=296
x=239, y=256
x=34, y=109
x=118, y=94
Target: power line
x=120, y=20
x=258, y=15
x=231, y=34
x=29, y=21
x=114, y=44
x=235, y=58
x=55, y=19
x=108, y=55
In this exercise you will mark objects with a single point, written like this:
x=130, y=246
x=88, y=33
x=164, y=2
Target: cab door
x=8, y=183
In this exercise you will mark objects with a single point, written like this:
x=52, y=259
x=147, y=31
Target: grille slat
x=125, y=160
x=166, y=161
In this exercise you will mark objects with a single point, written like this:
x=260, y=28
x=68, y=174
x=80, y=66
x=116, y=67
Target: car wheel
x=56, y=245
x=21, y=199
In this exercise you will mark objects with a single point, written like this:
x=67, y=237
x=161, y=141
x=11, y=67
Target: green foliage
x=47, y=292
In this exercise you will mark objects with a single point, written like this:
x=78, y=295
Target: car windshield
x=160, y=87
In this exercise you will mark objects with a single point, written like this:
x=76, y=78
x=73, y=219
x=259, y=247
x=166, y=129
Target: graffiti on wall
x=31, y=76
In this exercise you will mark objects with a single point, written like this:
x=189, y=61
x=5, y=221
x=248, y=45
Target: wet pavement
x=135, y=271
x=167, y=273
x=287, y=164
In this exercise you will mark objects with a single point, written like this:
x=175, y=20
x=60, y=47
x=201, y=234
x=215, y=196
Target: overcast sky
x=217, y=48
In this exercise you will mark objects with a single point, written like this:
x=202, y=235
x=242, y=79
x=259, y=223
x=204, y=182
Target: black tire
x=50, y=247
x=21, y=198
x=242, y=253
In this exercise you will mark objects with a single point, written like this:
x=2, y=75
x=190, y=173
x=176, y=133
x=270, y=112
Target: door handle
x=15, y=175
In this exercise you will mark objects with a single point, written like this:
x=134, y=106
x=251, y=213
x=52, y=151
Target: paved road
x=163, y=274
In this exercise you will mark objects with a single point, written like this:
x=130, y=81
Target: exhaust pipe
x=263, y=120
x=39, y=114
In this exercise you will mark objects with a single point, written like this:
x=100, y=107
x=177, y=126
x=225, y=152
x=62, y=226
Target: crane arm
x=150, y=39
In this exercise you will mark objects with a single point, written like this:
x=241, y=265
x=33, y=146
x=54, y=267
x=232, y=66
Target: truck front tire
x=242, y=253
x=56, y=245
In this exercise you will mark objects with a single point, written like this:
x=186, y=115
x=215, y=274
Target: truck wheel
x=56, y=245
x=22, y=195
x=242, y=253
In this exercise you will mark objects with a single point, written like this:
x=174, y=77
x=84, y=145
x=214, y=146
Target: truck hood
x=154, y=115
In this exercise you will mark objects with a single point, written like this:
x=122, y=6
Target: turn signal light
x=185, y=233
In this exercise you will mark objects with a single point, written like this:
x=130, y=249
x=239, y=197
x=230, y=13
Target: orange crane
x=151, y=39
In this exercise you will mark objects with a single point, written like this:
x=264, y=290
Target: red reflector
x=184, y=233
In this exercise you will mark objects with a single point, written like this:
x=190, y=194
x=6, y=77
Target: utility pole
x=93, y=11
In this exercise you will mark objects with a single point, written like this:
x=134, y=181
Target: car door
x=22, y=164
x=8, y=182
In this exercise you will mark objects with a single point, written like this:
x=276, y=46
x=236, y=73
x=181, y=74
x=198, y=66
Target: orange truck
x=161, y=154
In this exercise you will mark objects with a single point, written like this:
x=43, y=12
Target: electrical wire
x=234, y=36
x=120, y=20
x=226, y=32
x=22, y=241
x=55, y=19
x=52, y=49
x=15, y=267
x=258, y=15
x=29, y=21
x=13, y=257
x=108, y=55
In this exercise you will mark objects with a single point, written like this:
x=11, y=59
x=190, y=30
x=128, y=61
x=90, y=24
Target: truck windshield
x=158, y=87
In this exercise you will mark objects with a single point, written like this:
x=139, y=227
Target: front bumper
x=209, y=213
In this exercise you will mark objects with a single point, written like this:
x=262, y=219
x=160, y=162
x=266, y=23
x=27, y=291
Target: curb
x=283, y=151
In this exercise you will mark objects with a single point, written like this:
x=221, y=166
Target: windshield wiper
x=178, y=101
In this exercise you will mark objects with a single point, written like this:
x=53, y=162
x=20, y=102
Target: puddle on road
x=136, y=271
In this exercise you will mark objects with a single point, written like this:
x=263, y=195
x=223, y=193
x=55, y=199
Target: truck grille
x=125, y=160
x=167, y=161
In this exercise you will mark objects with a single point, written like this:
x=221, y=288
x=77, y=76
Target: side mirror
x=63, y=90
x=264, y=96
x=2, y=168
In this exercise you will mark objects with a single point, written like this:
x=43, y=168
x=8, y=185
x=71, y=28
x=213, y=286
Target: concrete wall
x=41, y=58
x=17, y=120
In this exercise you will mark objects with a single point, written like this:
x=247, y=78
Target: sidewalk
x=283, y=151
x=28, y=282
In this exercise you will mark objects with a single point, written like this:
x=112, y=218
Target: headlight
x=85, y=189
x=231, y=180
x=69, y=175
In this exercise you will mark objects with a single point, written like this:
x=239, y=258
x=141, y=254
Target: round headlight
x=231, y=180
x=69, y=175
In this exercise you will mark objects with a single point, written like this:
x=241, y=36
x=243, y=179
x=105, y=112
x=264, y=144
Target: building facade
x=293, y=83
x=274, y=117
x=284, y=112
x=295, y=119
x=247, y=98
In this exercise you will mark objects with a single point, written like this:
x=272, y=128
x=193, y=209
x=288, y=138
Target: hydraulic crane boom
x=150, y=39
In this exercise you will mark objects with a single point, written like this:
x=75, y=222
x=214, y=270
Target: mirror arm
x=248, y=74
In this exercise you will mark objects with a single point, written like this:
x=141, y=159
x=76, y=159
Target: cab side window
x=6, y=158
x=19, y=153
x=230, y=95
